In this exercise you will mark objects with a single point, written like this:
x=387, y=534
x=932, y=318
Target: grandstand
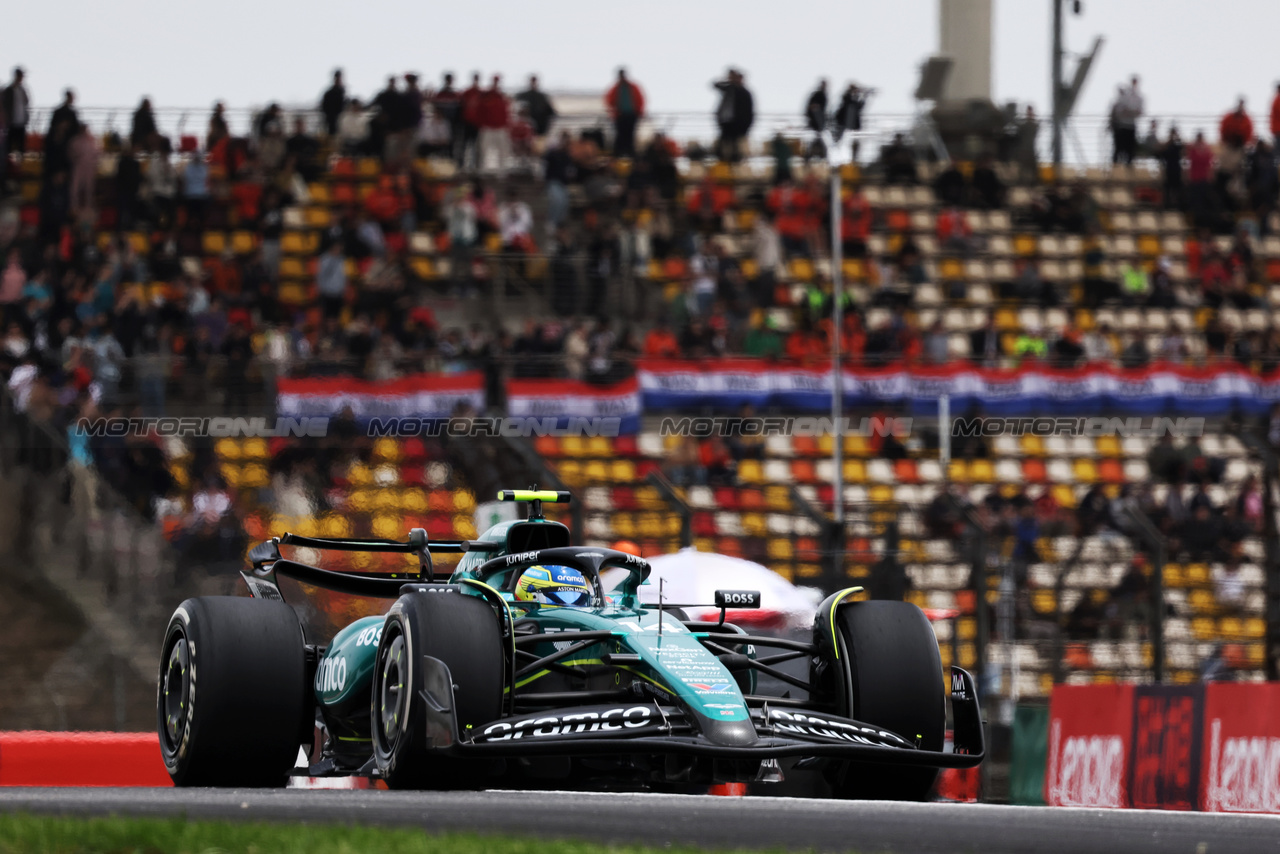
x=770, y=505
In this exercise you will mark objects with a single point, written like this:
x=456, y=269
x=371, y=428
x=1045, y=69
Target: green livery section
x=643, y=646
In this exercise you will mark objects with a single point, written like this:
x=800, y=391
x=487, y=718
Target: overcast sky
x=1195, y=56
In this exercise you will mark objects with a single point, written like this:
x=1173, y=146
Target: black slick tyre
x=233, y=694
x=463, y=632
x=896, y=676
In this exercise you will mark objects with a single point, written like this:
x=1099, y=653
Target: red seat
x=1033, y=471
x=1110, y=471
x=751, y=499
x=703, y=524
x=905, y=471
x=731, y=546
x=188, y=144
x=625, y=446
x=440, y=501
x=624, y=498
x=726, y=498
x=411, y=474
x=440, y=526
x=643, y=467
x=413, y=449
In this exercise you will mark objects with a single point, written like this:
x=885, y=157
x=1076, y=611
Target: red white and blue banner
x=1158, y=389
x=425, y=396
x=611, y=409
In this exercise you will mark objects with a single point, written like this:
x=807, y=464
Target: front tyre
x=241, y=728
x=461, y=631
x=896, y=676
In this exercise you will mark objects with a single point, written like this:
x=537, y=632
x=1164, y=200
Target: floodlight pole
x=837, y=318
x=1057, y=83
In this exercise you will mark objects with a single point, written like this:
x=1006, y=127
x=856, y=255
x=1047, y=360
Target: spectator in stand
x=988, y=189
x=661, y=343
x=353, y=130
x=984, y=343
x=1263, y=184
x=84, y=172
x=540, y=109
x=332, y=103
x=1236, y=128
x=515, y=224
x=331, y=281
x=1150, y=144
x=762, y=340
x=1199, y=178
x=954, y=231
x=848, y=115
x=494, y=136
x=65, y=115
x=791, y=207
x=15, y=104
x=899, y=162
x=734, y=116
x=855, y=224
x=1126, y=110
x=558, y=171
x=1170, y=155
x=936, y=344
x=143, y=132
x=815, y=115
x=625, y=102
x=448, y=106
x=950, y=186
x=218, y=130
x=1024, y=145
x=469, y=105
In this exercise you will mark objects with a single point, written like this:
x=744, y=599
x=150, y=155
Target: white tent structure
x=691, y=577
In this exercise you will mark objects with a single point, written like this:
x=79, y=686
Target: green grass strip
x=31, y=834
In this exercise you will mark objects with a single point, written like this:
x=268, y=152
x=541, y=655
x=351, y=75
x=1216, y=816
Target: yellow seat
x=317, y=217
x=801, y=269
x=334, y=525
x=1084, y=471
x=388, y=526
x=981, y=471
x=750, y=471
x=1108, y=446
x=1197, y=574
x=951, y=269
x=1043, y=601
x=753, y=524
x=1063, y=494
x=881, y=493
x=570, y=471
x=1202, y=601
x=856, y=446
x=213, y=243
x=422, y=268
x=292, y=268
x=777, y=498
x=624, y=525
x=779, y=549
x=826, y=444
x=622, y=471
x=853, y=269
x=1032, y=446
x=243, y=242
x=319, y=193
x=386, y=449
x=464, y=527
x=958, y=471
x=649, y=526
x=292, y=243
x=413, y=501
x=1203, y=628
x=1149, y=245
x=1025, y=244
x=595, y=471
x=368, y=167
x=1173, y=575
x=855, y=471
x=227, y=449
x=292, y=293
x=464, y=501
x=1255, y=628
x=573, y=446
x=1230, y=628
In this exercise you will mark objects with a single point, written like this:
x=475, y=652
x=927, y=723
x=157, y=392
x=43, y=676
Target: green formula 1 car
x=521, y=670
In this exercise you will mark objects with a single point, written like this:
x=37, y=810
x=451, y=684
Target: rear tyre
x=241, y=728
x=896, y=684
x=461, y=631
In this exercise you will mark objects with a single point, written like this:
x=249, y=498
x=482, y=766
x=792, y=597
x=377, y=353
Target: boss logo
x=737, y=598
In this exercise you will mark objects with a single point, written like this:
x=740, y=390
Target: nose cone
x=729, y=733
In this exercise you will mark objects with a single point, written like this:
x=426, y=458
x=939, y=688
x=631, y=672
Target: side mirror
x=737, y=599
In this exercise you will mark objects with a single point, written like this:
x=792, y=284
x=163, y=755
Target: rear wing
x=266, y=563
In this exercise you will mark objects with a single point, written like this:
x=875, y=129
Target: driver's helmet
x=555, y=586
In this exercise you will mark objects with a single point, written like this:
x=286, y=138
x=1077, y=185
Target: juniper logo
x=1088, y=426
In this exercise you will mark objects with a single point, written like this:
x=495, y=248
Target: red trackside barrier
x=81, y=759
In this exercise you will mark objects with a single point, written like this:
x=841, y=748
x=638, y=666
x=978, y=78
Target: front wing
x=648, y=727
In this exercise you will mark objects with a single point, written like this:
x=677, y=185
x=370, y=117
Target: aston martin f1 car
x=519, y=669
